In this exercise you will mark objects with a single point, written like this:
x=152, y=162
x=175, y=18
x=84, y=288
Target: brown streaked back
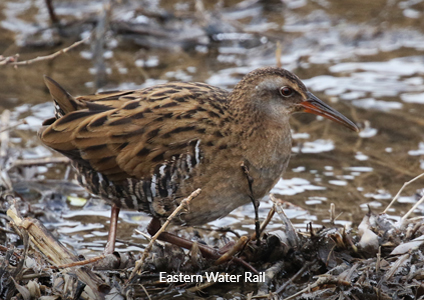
x=125, y=134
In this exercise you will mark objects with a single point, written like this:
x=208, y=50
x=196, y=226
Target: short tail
x=64, y=102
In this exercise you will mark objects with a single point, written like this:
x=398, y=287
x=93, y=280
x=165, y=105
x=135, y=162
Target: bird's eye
x=285, y=91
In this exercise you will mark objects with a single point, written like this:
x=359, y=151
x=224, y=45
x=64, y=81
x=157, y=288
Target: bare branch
x=12, y=60
x=182, y=205
x=400, y=191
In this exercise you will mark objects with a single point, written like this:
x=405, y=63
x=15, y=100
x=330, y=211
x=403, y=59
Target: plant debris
x=381, y=259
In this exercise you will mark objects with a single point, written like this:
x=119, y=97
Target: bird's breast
x=268, y=159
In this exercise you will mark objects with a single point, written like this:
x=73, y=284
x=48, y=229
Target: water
x=364, y=58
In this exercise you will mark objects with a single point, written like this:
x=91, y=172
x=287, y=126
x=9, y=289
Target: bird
x=148, y=149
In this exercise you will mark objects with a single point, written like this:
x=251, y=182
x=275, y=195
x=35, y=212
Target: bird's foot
x=208, y=252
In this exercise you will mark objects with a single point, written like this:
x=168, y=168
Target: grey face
x=279, y=96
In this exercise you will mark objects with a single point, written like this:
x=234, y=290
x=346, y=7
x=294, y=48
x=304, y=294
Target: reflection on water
x=369, y=67
x=294, y=186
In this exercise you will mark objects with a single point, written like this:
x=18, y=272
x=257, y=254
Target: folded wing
x=128, y=134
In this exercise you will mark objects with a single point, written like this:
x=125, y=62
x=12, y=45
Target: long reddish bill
x=315, y=106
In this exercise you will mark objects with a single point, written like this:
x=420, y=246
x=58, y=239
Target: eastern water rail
x=148, y=149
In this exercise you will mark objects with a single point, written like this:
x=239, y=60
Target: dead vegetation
x=380, y=259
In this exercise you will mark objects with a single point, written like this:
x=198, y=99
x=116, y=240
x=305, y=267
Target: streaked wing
x=128, y=134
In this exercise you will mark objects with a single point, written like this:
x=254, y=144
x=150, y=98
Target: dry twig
x=295, y=276
x=41, y=161
x=182, y=205
x=80, y=263
x=419, y=202
x=264, y=223
x=12, y=60
x=400, y=191
x=236, y=248
x=55, y=252
x=203, y=285
x=395, y=267
x=290, y=231
x=13, y=125
x=322, y=280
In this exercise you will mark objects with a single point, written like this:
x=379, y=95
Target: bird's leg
x=255, y=202
x=155, y=225
x=110, y=245
x=207, y=252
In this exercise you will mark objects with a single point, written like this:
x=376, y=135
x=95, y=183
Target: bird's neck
x=265, y=140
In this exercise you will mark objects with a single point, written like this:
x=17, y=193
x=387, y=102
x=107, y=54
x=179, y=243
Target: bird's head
x=279, y=93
